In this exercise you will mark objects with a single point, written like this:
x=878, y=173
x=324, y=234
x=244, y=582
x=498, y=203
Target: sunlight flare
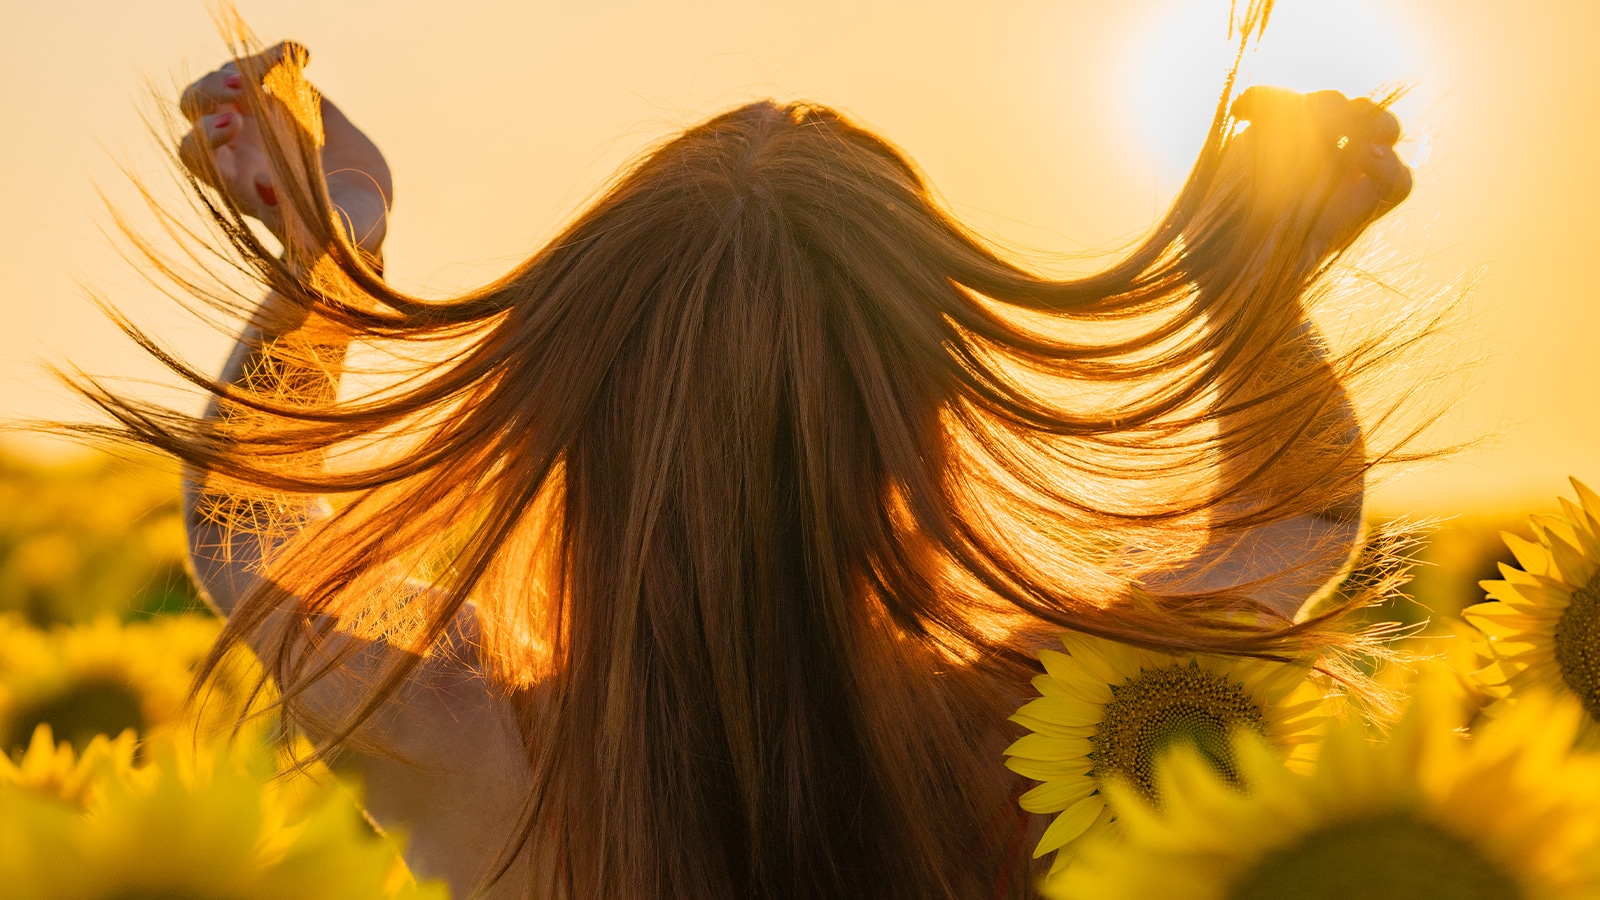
x=1178, y=61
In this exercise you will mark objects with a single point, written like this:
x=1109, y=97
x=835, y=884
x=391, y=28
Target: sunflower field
x=1471, y=770
x=114, y=782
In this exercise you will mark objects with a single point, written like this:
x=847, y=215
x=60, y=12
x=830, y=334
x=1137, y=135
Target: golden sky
x=1053, y=126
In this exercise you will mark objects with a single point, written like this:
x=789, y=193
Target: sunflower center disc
x=88, y=708
x=1164, y=707
x=1578, y=645
x=1391, y=858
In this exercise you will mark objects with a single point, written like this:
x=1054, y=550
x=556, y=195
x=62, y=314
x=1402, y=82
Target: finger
x=1390, y=175
x=1332, y=106
x=210, y=132
x=1363, y=121
x=1262, y=102
x=1337, y=119
x=259, y=198
x=264, y=189
x=204, y=96
x=227, y=83
x=1384, y=128
x=261, y=63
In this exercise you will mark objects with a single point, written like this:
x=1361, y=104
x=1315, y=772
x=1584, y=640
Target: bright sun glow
x=1180, y=56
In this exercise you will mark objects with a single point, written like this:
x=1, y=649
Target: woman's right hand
x=358, y=178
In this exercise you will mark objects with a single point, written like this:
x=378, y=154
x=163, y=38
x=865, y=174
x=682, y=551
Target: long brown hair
x=755, y=475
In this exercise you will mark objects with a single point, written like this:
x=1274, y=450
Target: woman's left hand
x=1323, y=154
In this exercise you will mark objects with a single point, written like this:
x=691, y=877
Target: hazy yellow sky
x=1054, y=126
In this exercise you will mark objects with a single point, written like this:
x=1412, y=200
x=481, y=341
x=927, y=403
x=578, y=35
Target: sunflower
x=1108, y=710
x=207, y=823
x=55, y=770
x=1542, y=626
x=103, y=677
x=22, y=646
x=1510, y=814
x=1446, y=660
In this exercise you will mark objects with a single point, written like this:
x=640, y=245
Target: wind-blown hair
x=752, y=488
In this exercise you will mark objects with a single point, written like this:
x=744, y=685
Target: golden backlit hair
x=758, y=478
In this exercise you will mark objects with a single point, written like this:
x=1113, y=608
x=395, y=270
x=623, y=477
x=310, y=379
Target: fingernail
x=267, y=194
x=222, y=120
x=234, y=81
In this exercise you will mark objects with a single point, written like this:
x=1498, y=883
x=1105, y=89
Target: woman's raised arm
x=1325, y=165
x=441, y=757
x=224, y=148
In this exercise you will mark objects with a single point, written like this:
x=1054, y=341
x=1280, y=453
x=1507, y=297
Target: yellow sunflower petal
x=1054, y=796
x=1068, y=673
x=1511, y=813
x=1532, y=557
x=1093, y=656
x=1038, y=746
x=1588, y=498
x=1585, y=526
x=1048, y=769
x=1063, y=711
x=1053, y=729
x=1047, y=686
x=1151, y=702
x=1574, y=567
x=1070, y=824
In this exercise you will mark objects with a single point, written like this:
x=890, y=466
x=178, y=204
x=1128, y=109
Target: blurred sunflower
x=1542, y=626
x=1446, y=660
x=103, y=677
x=21, y=645
x=94, y=535
x=1508, y=815
x=55, y=770
x=210, y=823
x=1108, y=710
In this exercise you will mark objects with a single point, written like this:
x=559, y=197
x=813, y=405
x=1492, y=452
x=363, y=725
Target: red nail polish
x=234, y=81
x=222, y=121
x=267, y=194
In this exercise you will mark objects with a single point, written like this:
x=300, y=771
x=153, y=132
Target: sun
x=1177, y=59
